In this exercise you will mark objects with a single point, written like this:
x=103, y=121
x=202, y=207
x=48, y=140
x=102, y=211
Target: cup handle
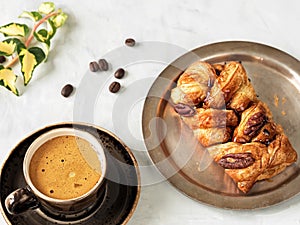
x=20, y=201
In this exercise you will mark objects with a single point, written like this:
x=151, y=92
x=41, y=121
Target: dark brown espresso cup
x=64, y=170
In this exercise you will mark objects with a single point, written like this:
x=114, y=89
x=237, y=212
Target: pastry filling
x=219, y=104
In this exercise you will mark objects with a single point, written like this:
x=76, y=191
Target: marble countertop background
x=98, y=28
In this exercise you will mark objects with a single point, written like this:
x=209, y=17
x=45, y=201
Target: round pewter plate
x=275, y=76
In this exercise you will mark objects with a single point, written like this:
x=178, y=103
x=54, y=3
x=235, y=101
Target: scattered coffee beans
x=2, y=59
x=94, y=67
x=103, y=65
x=130, y=42
x=67, y=90
x=114, y=87
x=119, y=73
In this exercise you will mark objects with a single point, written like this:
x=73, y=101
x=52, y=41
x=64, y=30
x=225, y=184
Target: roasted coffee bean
x=236, y=160
x=2, y=59
x=94, y=67
x=119, y=73
x=130, y=42
x=67, y=90
x=103, y=65
x=184, y=110
x=114, y=87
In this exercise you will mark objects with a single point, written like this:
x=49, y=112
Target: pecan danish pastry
x=244, y=162
x=231, y=88
x=252, y=120
x=237, y=128
x=193, y=84
x=211, y=126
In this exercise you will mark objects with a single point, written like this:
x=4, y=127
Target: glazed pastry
x=267, y=133
x=231, y=88
x=212, y=136
x=193, y=84
x=242, y=98
x=252, y=120
x=207, y=118
x=244, y=163
x=218, y=68
x=237, y=129
x=231, y=79
x=211, y=126
x=251, y=162
x=281, y=155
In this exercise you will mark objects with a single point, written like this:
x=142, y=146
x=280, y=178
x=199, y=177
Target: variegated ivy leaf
x=45, y=36
x=8, y=79
x=14, y=29
x=51, y=28
x=29, y=59
x=42, y=35
x=46, y=7
x=35, y=16
x=60, y=19
x=9, y=46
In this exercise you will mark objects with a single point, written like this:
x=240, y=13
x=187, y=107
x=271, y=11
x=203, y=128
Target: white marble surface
x=98, y=28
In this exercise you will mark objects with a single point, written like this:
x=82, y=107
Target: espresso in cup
x=65, y=167
x=64, y=170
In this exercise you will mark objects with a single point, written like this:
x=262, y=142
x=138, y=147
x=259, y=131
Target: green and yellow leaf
x=45, y=35
x=38, y=53
x=29, y=59
x=14, y=29
x=8, y=79
x=51, y=28
x=42, y=35
x=60, y=19
x=35, y=16
x=47, y=7
x=7, y=48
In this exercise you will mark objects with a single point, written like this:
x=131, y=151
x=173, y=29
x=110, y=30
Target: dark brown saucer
x=122, y=182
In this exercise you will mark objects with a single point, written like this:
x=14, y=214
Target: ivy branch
x=31, y=36
x=18, y=46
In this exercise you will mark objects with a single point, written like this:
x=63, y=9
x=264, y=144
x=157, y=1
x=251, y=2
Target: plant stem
x=12, y=62
x=30, y=37
x=27, y=43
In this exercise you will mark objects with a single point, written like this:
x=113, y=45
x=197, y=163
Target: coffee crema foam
x=65, y=167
